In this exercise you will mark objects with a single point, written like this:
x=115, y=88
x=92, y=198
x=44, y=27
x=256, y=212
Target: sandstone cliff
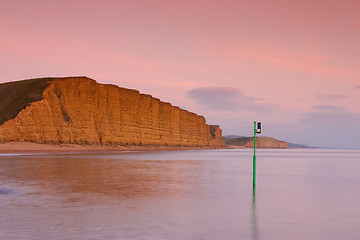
x=262, y=142
x=81, y=111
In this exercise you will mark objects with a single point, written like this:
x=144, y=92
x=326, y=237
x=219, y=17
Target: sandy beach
x=27, y=147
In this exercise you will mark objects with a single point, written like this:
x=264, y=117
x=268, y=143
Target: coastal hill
x=248, y=142
x=78, y=110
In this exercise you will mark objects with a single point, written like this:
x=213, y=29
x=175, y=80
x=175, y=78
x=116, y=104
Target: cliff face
x=79, y=110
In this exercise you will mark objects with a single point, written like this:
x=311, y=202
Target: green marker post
x=254, y=159
x=257, y=129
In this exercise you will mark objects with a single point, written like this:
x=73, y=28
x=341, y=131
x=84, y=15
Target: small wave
x=6, y=191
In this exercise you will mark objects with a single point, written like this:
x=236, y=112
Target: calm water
x=301, y=194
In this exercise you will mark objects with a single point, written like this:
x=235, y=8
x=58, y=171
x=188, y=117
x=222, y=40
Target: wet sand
x=27, y=147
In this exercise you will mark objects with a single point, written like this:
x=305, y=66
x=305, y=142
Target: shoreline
x=29, y=147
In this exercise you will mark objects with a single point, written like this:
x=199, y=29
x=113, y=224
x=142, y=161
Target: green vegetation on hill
x=239, y=141
x=15, y=96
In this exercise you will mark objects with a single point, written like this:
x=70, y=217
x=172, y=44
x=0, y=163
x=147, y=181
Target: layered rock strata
x=81, y=111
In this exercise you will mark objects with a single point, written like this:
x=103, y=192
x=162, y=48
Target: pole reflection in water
x=255, y=230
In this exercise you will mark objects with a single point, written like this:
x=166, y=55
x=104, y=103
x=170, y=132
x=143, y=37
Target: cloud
x=328, y=115
x=330, y=118
x=322, y=96
x=328, y=108
x=357, y=87
x=227, y=99
x=325, y=126
x=224, y=98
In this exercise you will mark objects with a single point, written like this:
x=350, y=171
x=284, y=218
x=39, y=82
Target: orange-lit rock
x=81, y=111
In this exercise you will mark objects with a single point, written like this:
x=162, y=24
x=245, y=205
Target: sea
x=188, y=194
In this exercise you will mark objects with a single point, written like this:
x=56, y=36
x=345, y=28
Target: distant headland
x=262, y=142
x=248, y=142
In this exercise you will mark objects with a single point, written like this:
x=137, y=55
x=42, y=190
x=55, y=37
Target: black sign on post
x=258, y=127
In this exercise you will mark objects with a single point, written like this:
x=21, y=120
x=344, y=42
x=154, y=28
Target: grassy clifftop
x=238, y=141
x=15, y=96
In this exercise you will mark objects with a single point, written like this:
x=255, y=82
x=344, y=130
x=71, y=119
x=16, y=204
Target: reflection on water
x=87, y=176
x=255, y=235
x=300, y=194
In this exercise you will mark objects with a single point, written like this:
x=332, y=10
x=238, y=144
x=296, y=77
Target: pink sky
x=294, y=65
